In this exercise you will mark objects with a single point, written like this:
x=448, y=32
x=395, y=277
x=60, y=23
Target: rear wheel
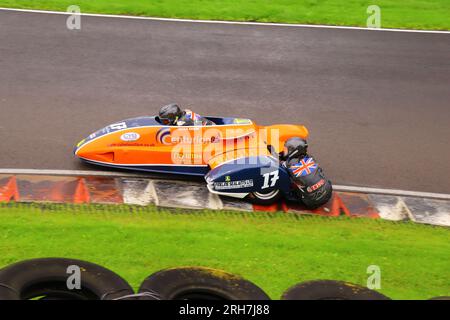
x=265, y=198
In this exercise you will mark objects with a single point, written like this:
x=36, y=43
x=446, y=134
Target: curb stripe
x=194, y=195
x=86, y=173
x=10, y=191
x=394, y=192
x=81, y=193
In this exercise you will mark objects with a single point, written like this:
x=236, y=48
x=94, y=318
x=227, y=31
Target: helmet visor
x=165, y=121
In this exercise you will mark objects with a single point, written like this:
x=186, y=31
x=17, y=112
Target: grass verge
x=273, y=250
x=413, y=14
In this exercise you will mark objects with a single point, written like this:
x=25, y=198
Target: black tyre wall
x=47, y=278
x=330, y=290
x=198, y=283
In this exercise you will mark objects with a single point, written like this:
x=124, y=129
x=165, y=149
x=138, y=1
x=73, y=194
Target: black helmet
x=169, y=114
x=295, y=147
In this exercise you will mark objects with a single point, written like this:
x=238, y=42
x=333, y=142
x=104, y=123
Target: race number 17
x=270, y=178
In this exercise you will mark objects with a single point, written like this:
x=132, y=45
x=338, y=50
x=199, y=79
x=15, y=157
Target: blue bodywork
x=252, y=174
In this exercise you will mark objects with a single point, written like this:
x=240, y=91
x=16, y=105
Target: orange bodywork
x=185, y=146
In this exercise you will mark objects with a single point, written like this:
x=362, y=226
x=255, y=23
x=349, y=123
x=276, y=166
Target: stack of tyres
x=71, y=279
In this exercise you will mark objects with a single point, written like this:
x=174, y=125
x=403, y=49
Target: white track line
x=226, y=22
x=393, y=192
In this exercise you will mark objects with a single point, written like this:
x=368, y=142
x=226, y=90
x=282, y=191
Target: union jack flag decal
x=192, y=115
x=306, y=166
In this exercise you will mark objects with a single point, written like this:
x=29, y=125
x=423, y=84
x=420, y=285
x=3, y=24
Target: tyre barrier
x=50, y=279
x=330, y=290
x=199, y=283
x=440, y=298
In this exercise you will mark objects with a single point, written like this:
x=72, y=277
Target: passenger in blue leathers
x=312, y=187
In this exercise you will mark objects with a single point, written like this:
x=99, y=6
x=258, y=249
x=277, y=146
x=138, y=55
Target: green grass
x=416, y=14
x=273, y=250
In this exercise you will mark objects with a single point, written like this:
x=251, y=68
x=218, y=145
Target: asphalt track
x=377, y=104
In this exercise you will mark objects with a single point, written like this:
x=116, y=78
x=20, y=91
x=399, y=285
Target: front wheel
x=265, y=198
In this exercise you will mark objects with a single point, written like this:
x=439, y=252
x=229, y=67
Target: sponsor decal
x=163, y=136
x=131, y=145
x=316, y=186
x=319, y=194
x=227, y=178
x=188, y=156
x=242, y=121
x=226, y=185
x=118, y=126
x=182, y=128
x=81, y=142
x=130, y=136
x=195, y=139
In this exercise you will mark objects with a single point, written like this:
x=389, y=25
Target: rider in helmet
x=312, y=186
x=172, y=115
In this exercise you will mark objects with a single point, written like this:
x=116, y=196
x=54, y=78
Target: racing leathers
x=311, y=185
x=190, y=118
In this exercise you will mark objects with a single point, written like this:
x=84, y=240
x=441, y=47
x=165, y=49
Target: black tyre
x=330, y=290
x=198, y=283
x=265, y=198
x=47, y=279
